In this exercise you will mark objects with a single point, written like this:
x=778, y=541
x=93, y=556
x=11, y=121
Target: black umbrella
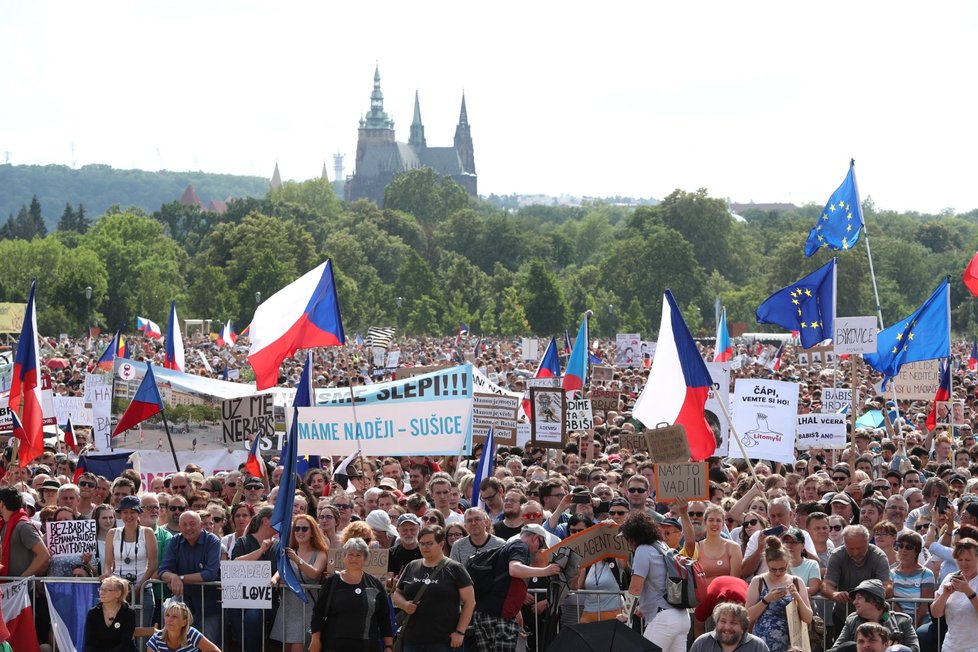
x=602, y=636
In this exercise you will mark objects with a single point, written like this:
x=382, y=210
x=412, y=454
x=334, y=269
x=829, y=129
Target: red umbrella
x=58, y=363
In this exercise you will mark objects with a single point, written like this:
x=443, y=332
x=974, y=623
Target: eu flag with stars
x=841, y=221
x=924, y=335
x=806, y=306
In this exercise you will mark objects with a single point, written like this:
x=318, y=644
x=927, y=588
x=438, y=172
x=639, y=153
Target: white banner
x=719, y=392
x=820, y=431
x=765, y=416
x=854, y=335
x=160, y=463
x=429, y=414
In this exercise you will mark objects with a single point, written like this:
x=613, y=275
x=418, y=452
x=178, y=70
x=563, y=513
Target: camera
x=129, y=577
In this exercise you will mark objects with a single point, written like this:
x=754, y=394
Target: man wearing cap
x=406, y=549
x=495, y=616
x=730, y=632
x=254, y=491
x=841, y=505
x=30, y=506
x=869, y=606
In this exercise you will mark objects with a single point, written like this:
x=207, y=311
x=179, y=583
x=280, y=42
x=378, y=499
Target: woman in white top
x=131, y=553
x=957, y=599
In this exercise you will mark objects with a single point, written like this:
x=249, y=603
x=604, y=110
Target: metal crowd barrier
x=233, y=634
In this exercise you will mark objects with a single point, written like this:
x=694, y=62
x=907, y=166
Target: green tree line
x=433, y=257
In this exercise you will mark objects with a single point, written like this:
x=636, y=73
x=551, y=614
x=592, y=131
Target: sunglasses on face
x=176, y=508
x=840, y=478
x=302, y=528
x=218, y=519
x=430, y=519
x=87, y=485
x=752, y=522
x=598, y=478
x=904, y=546
x=576, y=530
x=696, y=514
x=835, y=528
x=339, y=506
x=618, y=512
x=922, y=527
x=636, y=490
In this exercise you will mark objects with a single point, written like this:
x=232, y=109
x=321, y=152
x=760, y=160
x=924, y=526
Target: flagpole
x=733, y=431
x=166, y=426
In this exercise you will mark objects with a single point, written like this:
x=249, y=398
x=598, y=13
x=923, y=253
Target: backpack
x=685, y=580
x=482, y=569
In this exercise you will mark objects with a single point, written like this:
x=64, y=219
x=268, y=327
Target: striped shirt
x=157, y=643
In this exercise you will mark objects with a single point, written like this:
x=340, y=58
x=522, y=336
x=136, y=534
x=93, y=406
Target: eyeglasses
x=696, y=514
x=326, y=517
x=619, y=512
x=429, y=519
x=301, y=528
x=778, y=571
x=576, y=530
x=636, y=490
x=533, y=515
x=455, y=535
x=752, y=522
x=881, y=487
x=151, y=508
x=176, y=508
x=904, y=546
x=488, y=497
x=87, y=485
x=254, y=487
x=835, y=528
x=218, y=519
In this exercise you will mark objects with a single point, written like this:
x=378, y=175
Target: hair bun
x=773, y=543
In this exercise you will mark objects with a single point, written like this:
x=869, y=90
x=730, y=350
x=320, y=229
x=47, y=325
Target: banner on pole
x=820, y=431
x=549, y=428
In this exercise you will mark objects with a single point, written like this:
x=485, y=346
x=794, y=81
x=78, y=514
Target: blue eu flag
x=841, y=221
x=806, y=306
x=924, y=335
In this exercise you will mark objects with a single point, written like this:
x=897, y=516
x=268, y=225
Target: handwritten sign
x=668, y=444
x=246, y=584
x=578, y=415
x=71, y=537
x=376, y=562
x=820, y=431
x=854, y=334
x=636, y=442
x=594, y=544
x=689, y=480
x=548, y=429
x=72, y=407
x=605, y=399
x=497, y=411
x=247, y=417
x=918, y=380
x=98, y=393
x=835, y=399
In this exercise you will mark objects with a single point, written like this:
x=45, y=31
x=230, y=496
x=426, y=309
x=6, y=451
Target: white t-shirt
x=962, y=619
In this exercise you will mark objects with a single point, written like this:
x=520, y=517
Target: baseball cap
x=130, y=502
x=253, y=483
x=408, y=518
x=535, y=529
x=673, y=522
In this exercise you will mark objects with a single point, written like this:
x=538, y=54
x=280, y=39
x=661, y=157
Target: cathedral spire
x=377, y=118
x=276, y=177
x=463, y=116
x=417, y=127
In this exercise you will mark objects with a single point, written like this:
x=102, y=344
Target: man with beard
x=512, y=523
x=730, y=632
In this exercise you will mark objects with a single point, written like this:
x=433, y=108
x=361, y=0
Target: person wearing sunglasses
x=87, y=484
x=308, y=555
x=910, y=579
x=532, y=514
x=769, y=594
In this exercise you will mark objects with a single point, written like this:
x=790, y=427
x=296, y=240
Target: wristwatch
x=460, y=633
x=181, y=577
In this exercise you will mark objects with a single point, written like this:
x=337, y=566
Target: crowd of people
x=856, y=549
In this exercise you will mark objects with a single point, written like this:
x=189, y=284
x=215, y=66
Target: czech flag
x=942, y=394
x=567, y=343
x=227, y=336
x=80, y=468
x=107, y=360
x=174, y=343
x=18, y=614
x=678, y=383
x=486, y=464
x=302, y=315
x=255, y=464
x=70, y=440
x=723, y=350
x=148, y=328
x=970, y=276
x=576, y=373
x=973, y=358
x=462, y=331
x=775, y=363
x=25, y=387
x=145, y=404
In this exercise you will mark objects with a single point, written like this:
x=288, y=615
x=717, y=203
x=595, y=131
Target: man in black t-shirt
x=406, y=549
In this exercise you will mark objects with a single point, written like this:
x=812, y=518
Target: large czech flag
x=25, y=387
x=174, y=343
x=576, y=373
x=723, y=351
x=148, y=327
x=678, y=384
x=302, y=315
x=145, y=404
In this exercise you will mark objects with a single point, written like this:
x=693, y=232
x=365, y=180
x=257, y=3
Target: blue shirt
x=204, y=557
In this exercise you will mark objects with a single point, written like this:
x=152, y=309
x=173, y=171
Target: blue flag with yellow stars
x=841, y=221
x=924, y=335
x=806, y=306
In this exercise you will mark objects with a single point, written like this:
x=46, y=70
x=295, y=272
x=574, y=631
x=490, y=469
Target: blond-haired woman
x=178, y=633
x=111, y=624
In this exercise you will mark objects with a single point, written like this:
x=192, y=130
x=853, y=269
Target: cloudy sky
x=756, y=101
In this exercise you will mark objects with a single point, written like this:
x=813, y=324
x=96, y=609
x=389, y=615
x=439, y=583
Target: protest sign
x=378, y=354
x=719, y=394
x=918, y=381
x=154, y=463
x=529, y=349
x=12, y=317
x=47, y=406
x=244, y=418
x=628, y=350
x=552, y=381
x=636, y=442
x=594, y=544
x=500, y=412
x=423, y=415
x=835, y=399
x=668, y=444
x=393, y=359
x=481, y=383
x=549, y=427
x=578, y=415
x=854, y=335
x=690, y=480
x=648, y=352
x=246, y=584
x=820, y=431
x=72, y=407
x=410, y=372
x=375, y=565
x=605, y=399
x=765, y=416
x=602, y=374
x=524, y=431
x=70, y=537
x=98, y=393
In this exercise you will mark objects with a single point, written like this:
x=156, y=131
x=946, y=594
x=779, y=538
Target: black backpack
x=482, y=569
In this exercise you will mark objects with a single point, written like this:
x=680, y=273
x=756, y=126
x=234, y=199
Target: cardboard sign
x=549, y=406
x=821, y=431
x=918, y=381
x=602, y=374
x=500, y=412
x=393, y=359
x=690, y=480
x=376, y=562
x=246, y=584
x=72, y=407
x=668, y=444
x=636, y=442
x=578, y=415
x=835, y=399
x=854, y=334
x=71, y=537
x=605, y=399
x=594, y=544
x=244, y=418
x=765, y=416
x=98, y=393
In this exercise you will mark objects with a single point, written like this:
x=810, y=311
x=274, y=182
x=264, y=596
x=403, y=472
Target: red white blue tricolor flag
x=25, y=387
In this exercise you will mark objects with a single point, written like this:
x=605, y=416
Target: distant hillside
x=100, y=186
